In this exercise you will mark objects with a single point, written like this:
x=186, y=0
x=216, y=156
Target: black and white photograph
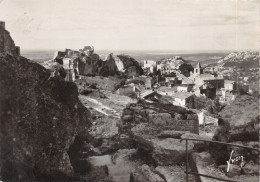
x=129, y=90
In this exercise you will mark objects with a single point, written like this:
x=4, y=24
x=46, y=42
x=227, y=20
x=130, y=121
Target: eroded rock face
x=90, y=64
x=121, y=64
x=40, y=117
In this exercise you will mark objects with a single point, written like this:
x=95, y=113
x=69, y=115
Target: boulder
x=251, y=169
x=243, y=117
x=120, y=64
x=105, y=133
x=234, y=170
x=238, y=121
x=123, y=165
x=40, y=118
x=145, y=174
x=163, y=151
x=171, y=134
x=174, y=173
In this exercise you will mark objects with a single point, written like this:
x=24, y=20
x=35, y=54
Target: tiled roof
x=182, y=95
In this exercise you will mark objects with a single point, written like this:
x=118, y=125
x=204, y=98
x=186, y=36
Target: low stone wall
x=136, y=113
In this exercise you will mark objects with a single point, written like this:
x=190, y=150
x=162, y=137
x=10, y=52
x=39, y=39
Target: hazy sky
x=133, y=24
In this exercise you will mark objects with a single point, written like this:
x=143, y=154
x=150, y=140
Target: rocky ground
x=138, y=141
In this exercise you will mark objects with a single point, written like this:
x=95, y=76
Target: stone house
x=228, y=96
x=167, y=79
x=206, y=119
x=168, y=91
x=199, y=78
x=182, y=98
x=149, y=64
x=148, y=83
x=185, y=87
x=218, y=83
x=229, y=85
x=128, y=90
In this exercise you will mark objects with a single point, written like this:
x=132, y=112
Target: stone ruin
x=6, y=42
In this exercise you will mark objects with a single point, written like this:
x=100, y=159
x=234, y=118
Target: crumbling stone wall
x=174, y=120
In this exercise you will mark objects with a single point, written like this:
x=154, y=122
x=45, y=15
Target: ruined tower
x=6, y=42
x=2, y=25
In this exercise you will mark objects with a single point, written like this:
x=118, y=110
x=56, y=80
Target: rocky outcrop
x=6, y=41
x=238, y=121
x=243, y=117
x=89, y=63
x=120, y=64
x=40, y=118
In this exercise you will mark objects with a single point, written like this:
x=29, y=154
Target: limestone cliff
x=40, y=118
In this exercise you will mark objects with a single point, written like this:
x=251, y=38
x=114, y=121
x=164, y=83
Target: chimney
x=2, y=25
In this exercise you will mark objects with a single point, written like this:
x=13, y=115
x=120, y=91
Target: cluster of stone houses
x=181, y=88
x=166, y=66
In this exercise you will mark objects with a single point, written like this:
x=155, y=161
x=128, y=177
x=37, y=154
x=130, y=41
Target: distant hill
x=245, y=59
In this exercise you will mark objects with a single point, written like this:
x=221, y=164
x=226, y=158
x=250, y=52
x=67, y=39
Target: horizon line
x=164, y=50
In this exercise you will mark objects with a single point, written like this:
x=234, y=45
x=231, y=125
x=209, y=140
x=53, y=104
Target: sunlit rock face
x=120, y=64
x=40, y=118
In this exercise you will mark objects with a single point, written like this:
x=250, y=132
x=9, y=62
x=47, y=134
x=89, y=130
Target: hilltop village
x=170, y=77
x=78, y=117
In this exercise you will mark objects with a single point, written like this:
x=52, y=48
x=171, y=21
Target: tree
x=186, y=69
x=191, y=104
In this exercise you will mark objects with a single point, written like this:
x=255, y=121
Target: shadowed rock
x=40, y=117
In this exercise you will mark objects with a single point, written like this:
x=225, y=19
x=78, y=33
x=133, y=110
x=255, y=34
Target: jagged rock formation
x=40, y=118
x=89, y=63
x=6, y=41
x=115, y=65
